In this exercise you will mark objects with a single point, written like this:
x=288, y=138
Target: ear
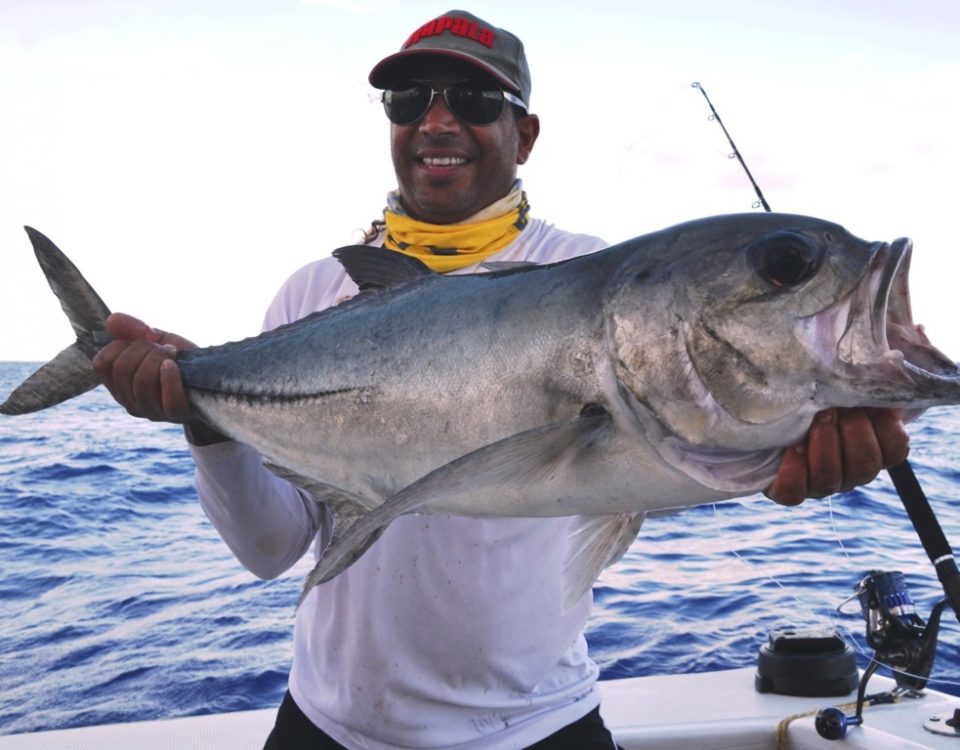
x=528, y=128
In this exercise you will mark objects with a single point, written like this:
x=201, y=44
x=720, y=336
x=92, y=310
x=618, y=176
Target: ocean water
x=119, y=602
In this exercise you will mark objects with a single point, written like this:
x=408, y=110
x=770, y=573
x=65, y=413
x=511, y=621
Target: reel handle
x=832, y=723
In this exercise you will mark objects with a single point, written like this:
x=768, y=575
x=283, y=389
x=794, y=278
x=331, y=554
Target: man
x=446, y=633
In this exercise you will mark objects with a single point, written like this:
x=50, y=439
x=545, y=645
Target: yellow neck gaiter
x=448, y=247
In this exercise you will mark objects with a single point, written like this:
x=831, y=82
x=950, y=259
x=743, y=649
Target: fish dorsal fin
x=507, y=265
x=378, y=268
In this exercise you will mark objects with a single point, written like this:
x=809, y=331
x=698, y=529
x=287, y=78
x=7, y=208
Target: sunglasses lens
x=475, y=106
x=405, y=106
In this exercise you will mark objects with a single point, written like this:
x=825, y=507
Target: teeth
x=443, y=161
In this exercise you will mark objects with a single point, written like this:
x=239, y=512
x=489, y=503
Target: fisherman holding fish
x=447, y=631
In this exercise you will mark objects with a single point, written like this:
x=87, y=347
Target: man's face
x=448, y=170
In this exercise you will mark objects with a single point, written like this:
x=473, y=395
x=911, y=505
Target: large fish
x=667, y=371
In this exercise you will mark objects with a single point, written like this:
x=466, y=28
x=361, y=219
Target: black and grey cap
x=462, y=36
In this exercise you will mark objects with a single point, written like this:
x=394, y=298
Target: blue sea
x=119, y=602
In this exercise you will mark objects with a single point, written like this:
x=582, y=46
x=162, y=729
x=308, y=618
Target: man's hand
x=845, y=448
x=139, y=369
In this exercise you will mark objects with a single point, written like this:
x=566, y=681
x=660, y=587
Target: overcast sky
x=189, y=156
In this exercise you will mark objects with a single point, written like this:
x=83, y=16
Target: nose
x=438, y=119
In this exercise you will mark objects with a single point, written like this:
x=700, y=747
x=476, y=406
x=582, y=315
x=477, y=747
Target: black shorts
x=294, y=731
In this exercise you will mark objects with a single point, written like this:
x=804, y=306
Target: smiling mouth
x=443, y=161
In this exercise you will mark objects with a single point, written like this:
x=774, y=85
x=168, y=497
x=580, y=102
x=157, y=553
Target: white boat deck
x=710, y=711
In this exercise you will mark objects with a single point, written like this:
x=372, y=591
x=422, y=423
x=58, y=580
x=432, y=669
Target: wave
x=120, y=602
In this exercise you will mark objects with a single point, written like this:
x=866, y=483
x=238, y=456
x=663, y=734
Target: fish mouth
x=881, y=345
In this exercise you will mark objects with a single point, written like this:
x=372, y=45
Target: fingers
x=173, y=396
x=825, y=459
x=137, y=375
x=845, y=448
x=790, y=485
x=139, y=370
x=891, y=434
x=860, y=448
x=144, y=362
x=812, y=468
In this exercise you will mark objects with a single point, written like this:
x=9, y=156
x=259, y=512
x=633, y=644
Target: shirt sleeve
x=266, y=522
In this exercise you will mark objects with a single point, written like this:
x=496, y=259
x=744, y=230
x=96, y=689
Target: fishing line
x=814, y=616
x=836, y=531
x=663, y=117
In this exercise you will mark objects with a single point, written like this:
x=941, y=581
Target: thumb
x=129, y=328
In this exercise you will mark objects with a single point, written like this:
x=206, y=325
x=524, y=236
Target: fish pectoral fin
x=67, y=375
x=594, y=543
x=527, y=457
x=524, y=458
x=379, y=268
x=355, y=529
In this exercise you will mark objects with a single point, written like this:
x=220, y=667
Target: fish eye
x=785, y=258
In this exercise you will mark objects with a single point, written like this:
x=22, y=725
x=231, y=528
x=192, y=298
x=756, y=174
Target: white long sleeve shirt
x=447, y=632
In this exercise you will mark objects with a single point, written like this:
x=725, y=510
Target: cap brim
x=402, y=66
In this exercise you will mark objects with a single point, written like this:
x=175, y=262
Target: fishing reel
x=895, y=630
x=900, y=639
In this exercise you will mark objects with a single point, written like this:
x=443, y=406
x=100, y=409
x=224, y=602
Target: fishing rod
x=736, y=152
x=896, y=632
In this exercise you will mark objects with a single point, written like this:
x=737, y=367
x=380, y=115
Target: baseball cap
x=461, y=36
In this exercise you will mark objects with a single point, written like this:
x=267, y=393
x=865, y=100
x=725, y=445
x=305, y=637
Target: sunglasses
x=474, y=104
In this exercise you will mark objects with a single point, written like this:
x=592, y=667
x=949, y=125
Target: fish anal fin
x=347, y=510
x=594, y=543
x=349, y=504
x=321, y=574
x=373, y=267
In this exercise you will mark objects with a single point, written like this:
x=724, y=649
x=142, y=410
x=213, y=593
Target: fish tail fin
x=68, y=374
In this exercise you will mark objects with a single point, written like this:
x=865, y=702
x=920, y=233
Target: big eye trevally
x=667, y=371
